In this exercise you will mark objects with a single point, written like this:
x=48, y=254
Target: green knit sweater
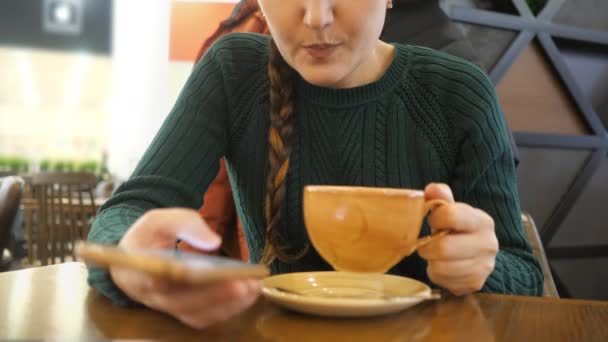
x=431, y=117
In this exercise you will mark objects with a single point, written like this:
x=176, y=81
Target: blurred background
x=85, y=85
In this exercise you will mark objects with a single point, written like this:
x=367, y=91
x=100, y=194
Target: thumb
x=186, y=225
x=438, y=191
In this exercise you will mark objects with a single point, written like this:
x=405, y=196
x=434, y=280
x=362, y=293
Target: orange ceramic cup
x=363, y=229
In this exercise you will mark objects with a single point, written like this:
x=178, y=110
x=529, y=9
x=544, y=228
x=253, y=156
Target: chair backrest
x=8, y=173
x=549, y=289
x=66, y=206
x=10, y=197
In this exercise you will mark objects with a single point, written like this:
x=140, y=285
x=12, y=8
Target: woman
x=412, y=22
x=322, y=102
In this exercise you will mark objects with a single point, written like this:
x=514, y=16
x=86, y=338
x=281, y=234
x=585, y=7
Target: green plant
x=14, y=164
x=58, y=166
x=537, y=5
x=88, y=166
x=3, y=163
x=62, y=166
x=24, y=165
x=45, y=165
x=70, y=166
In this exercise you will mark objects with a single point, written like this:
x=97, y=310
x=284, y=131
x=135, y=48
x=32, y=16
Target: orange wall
x=191, y=24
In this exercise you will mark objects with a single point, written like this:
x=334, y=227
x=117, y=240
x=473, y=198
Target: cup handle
x=428, y=207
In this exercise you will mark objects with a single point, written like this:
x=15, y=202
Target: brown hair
x=279, y=151
x=245, y=17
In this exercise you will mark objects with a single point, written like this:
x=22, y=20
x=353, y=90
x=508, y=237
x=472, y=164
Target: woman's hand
x=462, y=260
x=197, y=306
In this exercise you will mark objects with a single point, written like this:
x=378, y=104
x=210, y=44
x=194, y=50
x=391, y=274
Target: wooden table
x=55, y=302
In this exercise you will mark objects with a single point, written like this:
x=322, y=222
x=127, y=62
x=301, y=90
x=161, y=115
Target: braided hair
x=279, y=151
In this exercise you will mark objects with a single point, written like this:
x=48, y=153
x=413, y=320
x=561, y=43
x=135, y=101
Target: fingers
x=160, y=228
x=201, y=306
x=462, y=260
x=460, y=276
x=451, y=270
x=454, y=216
x=466, y=285
x=185, y=224
x=459, y=217
x=220, y=311
x=216, y=314
x=196, y=305
x=135, y=284
x=438, y=191
x=460, y=246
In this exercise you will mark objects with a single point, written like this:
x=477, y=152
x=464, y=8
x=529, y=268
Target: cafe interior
x=86, y=84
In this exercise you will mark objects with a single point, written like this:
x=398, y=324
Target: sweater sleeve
x=177, y=167
x=484, y=172
x=485, y=178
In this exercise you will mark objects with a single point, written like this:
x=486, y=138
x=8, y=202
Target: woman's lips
x=321, y=51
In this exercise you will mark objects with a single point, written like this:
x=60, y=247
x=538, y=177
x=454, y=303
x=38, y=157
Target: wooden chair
x=7, y=173
x=30, y=209
x=10, y=196
x=63, y=207
x=549, y=289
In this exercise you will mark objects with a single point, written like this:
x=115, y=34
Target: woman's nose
x=318, y=14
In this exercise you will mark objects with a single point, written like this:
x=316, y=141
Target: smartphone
x=179, y=266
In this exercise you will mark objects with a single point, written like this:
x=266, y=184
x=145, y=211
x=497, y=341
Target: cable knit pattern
x=431, y=117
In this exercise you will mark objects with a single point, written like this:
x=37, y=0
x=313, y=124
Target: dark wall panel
x=21, y=24
x=535, y=100
x=589, y=14
x=587, y=222
x=489, y=44
x=584, y=278
x=589, y=65
x=544, y=176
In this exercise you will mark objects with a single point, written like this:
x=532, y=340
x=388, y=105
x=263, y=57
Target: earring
x=389, y=4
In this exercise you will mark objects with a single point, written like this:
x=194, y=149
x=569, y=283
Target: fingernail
x=444, y=188
x=210, y=242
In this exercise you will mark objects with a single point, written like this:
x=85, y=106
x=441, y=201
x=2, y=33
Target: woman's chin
x=322, y=78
